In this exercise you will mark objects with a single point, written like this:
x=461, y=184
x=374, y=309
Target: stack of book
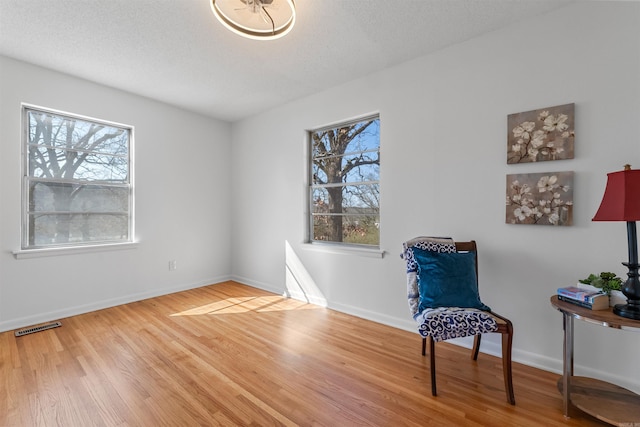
x=593, y=300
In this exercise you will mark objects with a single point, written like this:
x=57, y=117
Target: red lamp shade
x=621, y=200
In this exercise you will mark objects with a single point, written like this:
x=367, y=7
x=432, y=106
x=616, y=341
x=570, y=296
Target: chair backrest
x=437, y=243
x=469, y=246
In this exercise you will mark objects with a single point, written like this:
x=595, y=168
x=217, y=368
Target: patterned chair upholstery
x=442, y=323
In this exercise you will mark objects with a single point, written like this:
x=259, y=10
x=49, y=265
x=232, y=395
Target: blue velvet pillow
x=447, y=280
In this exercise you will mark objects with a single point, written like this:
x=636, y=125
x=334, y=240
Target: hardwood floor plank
x=228, y=354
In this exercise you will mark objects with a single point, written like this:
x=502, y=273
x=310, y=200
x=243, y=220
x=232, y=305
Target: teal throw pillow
x=447, y=280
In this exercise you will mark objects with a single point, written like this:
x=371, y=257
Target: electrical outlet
x=172, y=265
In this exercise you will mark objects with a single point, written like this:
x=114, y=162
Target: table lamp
x=621, y=202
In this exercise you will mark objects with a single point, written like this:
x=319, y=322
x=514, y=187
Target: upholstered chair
x=442, y=287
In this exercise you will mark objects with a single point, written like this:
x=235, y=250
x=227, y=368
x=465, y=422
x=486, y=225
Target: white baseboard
x=279, y=290
x=407, y=324
x=490, y=344
x=22, y=322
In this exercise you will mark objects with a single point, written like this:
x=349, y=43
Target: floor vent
x=38, y=328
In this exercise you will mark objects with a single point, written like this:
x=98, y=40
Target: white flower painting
x=541, y=135
x=540, y=198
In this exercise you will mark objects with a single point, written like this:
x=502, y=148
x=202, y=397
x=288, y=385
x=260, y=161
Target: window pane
x=58, y=131
x=320, y=200
x=348, y=199
x=361, y=167
x=321, y=143
x=350, y=168
x=60, y=197
x=57, y=229
x=48, y=163
x=362, y=198
x=352, y=229
x=353, y=138
x=319, y=176
x=365, y=136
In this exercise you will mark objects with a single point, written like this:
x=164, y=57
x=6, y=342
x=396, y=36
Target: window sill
x=71, y=250
x=344, y=250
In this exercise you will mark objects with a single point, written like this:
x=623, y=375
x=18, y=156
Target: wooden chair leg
x=507, y=340
x=432, y=361
x=476, y=346
x=432, y=357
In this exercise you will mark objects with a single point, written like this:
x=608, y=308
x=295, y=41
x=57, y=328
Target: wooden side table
x=607, y=402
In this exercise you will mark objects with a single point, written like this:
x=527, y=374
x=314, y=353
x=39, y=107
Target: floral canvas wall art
x=540, y=198
x=541, y=135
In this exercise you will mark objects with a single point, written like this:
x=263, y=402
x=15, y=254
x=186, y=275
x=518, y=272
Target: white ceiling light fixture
x=256, y=19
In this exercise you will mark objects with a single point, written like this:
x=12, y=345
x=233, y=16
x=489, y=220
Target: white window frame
x=312, y=185
x=28, y=249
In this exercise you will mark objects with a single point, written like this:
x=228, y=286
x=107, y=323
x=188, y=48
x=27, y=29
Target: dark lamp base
x=628, y=311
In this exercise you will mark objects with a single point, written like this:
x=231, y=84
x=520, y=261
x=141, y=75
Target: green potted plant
x=608, y=283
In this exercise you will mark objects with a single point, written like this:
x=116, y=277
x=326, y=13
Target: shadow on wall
x=299, y=283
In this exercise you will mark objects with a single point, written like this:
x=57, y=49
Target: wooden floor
x=228, y=354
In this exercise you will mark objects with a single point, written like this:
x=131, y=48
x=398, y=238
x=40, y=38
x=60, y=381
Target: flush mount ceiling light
x=256, y=19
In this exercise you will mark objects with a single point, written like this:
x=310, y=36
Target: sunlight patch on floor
x=237, y=305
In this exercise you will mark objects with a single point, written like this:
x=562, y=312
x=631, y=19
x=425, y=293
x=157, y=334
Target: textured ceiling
x=176, y=52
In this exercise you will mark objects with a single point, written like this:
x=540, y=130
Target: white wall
x=443, y=149
x=182, y=203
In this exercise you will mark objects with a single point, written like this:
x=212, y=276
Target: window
x=345, y=183
x=77, y=187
